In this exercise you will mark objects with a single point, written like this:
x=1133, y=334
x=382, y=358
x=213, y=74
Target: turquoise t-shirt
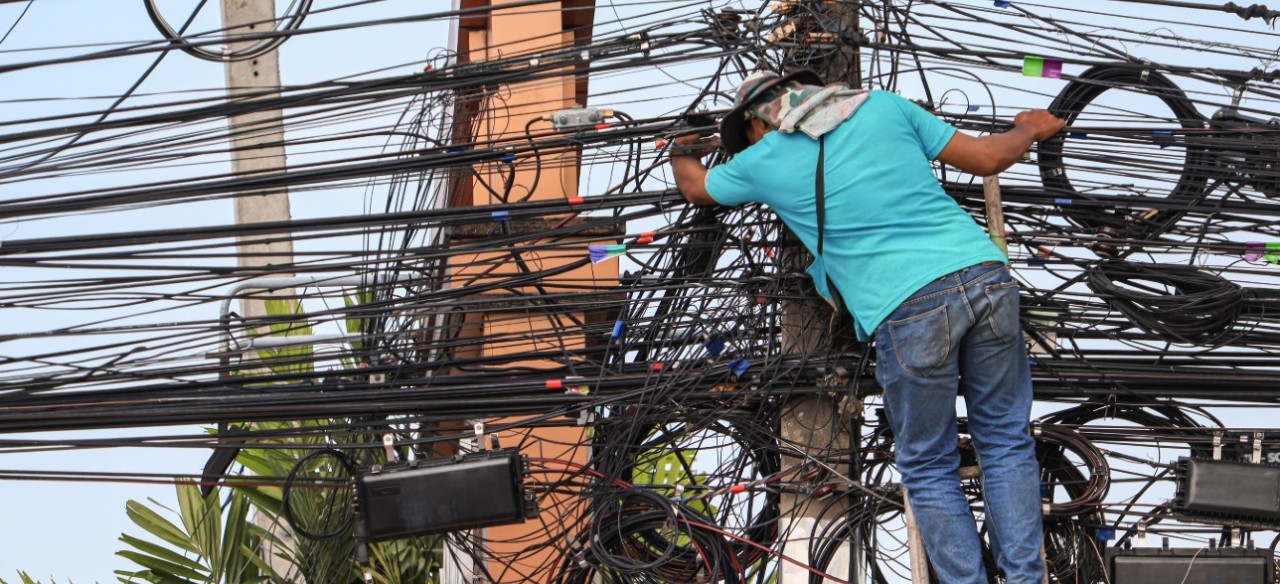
x=890, y=228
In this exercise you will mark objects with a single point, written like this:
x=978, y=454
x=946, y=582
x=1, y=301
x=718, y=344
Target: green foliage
x=356, y=325
x=408, y=561
x=209, y=546
x=26, y=579
x=287, y=360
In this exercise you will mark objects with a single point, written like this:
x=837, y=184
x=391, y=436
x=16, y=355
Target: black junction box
x=1190, y=566
x=1228, y=492
x=441, y=495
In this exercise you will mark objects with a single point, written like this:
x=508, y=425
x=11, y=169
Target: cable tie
x=574, y=200
x=534, y=62
x=585, y=55
x=501, y=215
x=1035, y=66
x=1063, y=202
x=600, y=253
x=618, y=327
x=1039, y=257
x=1253, y=256
x=714, y=346
x=554, y=384
x=738, y=488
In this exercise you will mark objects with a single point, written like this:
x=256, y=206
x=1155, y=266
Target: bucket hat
x=733, y=126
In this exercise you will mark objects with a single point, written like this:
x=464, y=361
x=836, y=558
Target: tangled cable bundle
x=1180, y=304
x=462, y=255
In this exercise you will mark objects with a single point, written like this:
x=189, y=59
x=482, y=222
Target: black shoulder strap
x=820, y=190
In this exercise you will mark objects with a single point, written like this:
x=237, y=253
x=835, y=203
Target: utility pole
x=257, y=140
x=819, y=426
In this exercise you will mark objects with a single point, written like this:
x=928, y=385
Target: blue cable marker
x=1063, y=202
x=455, y=149
x=1044, y=490
x=507, y=157
x=618, y=327
x=1001, y=4
x=1105, y=534
x=1078, y=135
x=1164, y=138
x=974, y=108
x=501, y=215
x=714, y=346
x=739, y=366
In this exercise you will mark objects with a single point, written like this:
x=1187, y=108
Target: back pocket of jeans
x=921, y=342
x=1004, y=310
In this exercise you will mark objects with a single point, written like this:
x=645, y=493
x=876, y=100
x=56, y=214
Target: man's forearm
x=691, y=179
x=1007, y=148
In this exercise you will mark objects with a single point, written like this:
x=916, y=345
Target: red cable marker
x=575, y=200
x=738, y=488
x=555, y=384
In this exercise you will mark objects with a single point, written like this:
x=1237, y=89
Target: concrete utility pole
x=257, y=140
x=818, y=426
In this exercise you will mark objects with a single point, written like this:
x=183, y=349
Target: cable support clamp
x=389, y=446
x=1257, y=447
x=478, y=426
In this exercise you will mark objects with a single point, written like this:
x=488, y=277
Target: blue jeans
x=960, y=335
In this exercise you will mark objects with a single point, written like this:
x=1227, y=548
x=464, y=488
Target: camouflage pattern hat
x=755, y=89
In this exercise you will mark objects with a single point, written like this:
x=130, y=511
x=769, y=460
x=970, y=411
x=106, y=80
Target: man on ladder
x=850, y=173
